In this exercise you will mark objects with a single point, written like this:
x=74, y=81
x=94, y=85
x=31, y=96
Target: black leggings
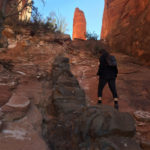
x=112, y=86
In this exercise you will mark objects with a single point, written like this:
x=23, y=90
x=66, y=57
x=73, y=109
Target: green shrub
x=91, y=36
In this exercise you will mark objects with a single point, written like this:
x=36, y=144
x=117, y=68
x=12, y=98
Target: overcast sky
x=93, y=10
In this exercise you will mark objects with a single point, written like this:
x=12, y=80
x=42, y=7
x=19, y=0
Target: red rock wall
x=7, y=6
x=79, y=25
x=126, y=25
x=25, y=13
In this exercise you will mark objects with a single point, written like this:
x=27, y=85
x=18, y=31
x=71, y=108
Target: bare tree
x=59, y=21
x=14, y=10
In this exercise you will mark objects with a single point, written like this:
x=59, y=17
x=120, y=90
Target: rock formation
x=126, y=26
x=68, y=97
x=78, y=127
x=79, y=25
x=48, y=88
x=25, y=14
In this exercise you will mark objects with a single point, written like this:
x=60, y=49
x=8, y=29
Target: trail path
x=133, y=81
x=26, y=89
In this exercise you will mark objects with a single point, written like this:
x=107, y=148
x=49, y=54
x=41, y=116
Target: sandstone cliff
x=24, y=15
x=126, y=26
x=79, y=25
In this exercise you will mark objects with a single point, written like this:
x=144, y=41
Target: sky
x=93, y=11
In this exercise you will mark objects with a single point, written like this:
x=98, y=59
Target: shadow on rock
x=68, y=96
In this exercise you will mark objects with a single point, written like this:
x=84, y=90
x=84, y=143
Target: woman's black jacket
x=105, y=71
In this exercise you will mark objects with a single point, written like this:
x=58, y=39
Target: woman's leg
x=112, y=86
x=102, y=83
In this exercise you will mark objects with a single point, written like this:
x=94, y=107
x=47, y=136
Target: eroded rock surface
x=67, y=94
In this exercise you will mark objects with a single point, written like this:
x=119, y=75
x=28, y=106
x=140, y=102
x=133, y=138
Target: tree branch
x=15, y=6
x=17, y=13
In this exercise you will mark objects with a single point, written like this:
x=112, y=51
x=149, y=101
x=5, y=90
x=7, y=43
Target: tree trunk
x=1, y=25
x=2, y=16
x=2, y=20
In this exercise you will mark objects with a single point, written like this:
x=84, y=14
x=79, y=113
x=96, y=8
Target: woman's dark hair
x=104, y=52
x=105, y=55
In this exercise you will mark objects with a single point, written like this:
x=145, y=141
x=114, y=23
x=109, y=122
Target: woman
x=107, y=74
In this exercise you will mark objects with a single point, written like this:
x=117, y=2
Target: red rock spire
x=79, y=25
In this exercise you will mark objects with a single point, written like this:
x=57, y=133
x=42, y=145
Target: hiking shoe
x=99, y=102
x=116, y=106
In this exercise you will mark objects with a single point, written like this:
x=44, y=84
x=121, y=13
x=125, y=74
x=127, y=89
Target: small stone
x=142, y=116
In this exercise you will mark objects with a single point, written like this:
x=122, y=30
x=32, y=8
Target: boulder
x=15, y=108
x=102, y=121
x=79, y=25
x=94, y=127
x=102, y=127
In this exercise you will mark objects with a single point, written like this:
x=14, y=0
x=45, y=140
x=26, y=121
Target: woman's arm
x=100, y=68
x=116, y=70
